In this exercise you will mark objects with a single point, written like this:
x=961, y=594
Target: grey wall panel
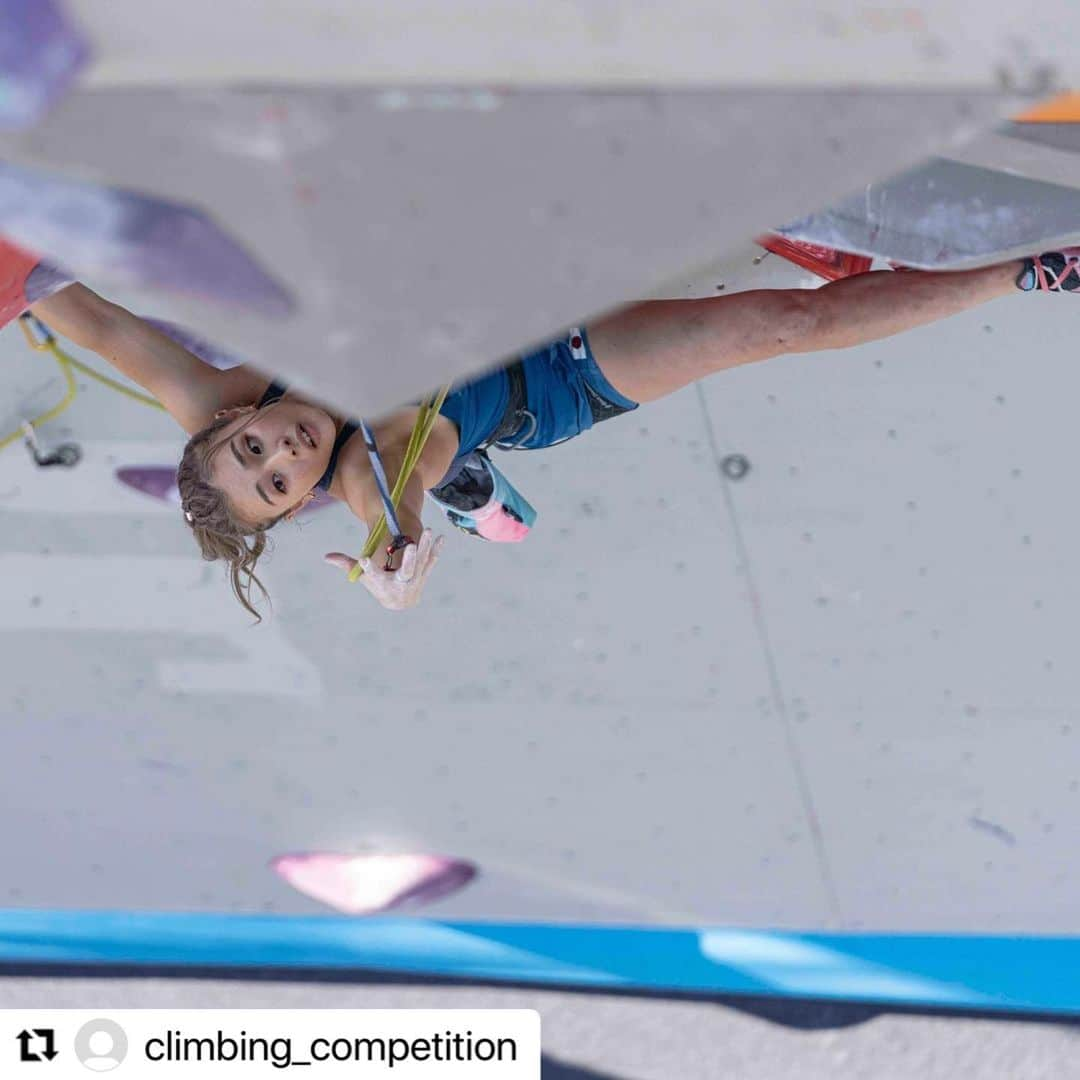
x=582, y=43
x=425, y=238
x=1001, y=198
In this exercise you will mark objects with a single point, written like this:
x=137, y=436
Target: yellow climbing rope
x=425, y=422
x=68, y=366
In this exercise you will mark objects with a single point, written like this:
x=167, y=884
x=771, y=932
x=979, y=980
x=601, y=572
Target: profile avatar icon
x=101, y=1045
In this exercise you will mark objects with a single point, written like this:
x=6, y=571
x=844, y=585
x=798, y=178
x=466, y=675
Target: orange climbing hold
x=1063, y=109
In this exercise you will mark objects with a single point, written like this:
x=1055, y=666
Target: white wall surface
x=835, y=693
x=691, y=43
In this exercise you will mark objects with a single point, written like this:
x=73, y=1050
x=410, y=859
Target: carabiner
x=394, y=547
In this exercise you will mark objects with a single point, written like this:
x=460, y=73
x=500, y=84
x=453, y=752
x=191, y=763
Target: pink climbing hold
x=368, y=884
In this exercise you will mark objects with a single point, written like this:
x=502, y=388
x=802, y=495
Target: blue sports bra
x=274, y=392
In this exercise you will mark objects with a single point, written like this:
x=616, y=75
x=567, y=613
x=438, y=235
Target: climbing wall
x=832, y=689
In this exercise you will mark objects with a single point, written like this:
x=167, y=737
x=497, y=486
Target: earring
x=309, y=497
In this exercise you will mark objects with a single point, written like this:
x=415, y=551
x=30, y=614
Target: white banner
x=142, y=1044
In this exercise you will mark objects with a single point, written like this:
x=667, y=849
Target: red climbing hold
x=824, y=261
x=15, y=266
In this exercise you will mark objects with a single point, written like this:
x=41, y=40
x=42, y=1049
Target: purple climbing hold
x=41, y=52
x=159, y=482
x=368, y=884
x=137, y=238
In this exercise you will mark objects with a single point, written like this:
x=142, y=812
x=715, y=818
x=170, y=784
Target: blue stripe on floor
x=1020, y=973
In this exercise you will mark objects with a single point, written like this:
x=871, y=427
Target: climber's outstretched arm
x=192, y=391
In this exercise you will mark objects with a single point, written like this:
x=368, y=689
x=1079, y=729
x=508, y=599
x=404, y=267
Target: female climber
x=258, y=452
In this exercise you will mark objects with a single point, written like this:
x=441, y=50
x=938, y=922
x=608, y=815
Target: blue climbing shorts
x=566, y=392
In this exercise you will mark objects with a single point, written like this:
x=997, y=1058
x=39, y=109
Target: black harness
x=516, y=414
